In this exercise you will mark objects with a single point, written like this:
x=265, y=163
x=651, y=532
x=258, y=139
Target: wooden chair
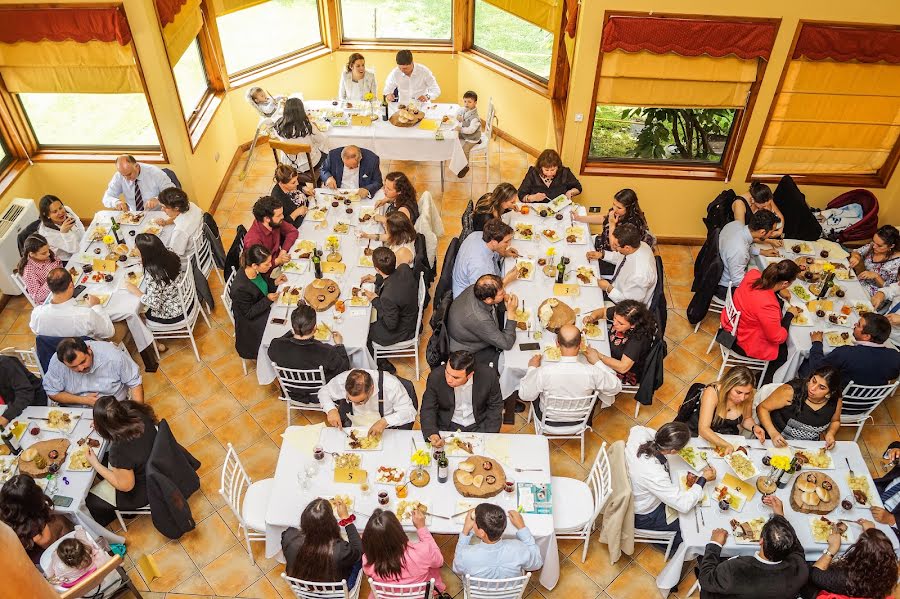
x=96, y=578
x=290, y=148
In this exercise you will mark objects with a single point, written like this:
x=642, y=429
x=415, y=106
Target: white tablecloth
x=355, y=322
x=695, y=540
x=514, y=362
x=390, y=142
x=289, y=499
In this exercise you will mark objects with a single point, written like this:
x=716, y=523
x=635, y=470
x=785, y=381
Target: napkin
x=497, y=447
x=429, y=124
x=835, y=251
x=303, y=438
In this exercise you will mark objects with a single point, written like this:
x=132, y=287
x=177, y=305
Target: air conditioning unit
x=17, y=215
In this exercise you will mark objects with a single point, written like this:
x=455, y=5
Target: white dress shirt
x=463, y=412
x=420, y=83
x=351, y=90
x=398, y=407
x=651, y=483
x=735, y=248
x=186, y=226
x=572, y=376
x=636, y=280
x=350, y=178
x=151, y=181
x=64, y=245
x=70, y=320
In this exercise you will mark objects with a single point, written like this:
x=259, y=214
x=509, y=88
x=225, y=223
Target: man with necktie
x=135, y=186
x=889, y=490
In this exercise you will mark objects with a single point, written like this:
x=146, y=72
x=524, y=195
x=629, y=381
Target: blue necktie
x=894, y=308
x=890, y=493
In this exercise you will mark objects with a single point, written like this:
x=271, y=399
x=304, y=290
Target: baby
x=266, y=104
x=74, y=558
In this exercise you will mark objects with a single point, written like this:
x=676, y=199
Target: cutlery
x=437, y=516
x=849, y=521
x=697, y=521
x=528, y=469
x=362, y=513
x=702, y=519
x=461, y=513
x=849, y=467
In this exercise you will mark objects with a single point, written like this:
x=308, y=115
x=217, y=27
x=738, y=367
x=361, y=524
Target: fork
x=849, y=467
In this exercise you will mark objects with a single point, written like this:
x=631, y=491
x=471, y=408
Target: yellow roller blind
x=673, y=81
x=833, y=118
x=543, y=13
x=223, y=7
x=69, y=67
x=180, y=33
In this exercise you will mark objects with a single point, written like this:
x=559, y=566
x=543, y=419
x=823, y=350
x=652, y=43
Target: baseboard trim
x=235, y=161
x=676, y=240
x=519, y=144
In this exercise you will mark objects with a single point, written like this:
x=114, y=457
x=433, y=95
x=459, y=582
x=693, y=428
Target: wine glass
x=339, y=308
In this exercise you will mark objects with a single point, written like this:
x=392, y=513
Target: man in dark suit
x=472, y=321
x=867, y=362
x=396, y=300
x=298, y=349
x=353, y=168
x=889, y=491
x=461, y=396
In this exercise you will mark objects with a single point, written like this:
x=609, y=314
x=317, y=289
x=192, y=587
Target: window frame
x=506, y=64
x=676, y=169
x=345, y=43
x=878, y=180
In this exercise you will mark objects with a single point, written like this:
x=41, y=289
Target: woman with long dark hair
x=399, y=196
x=625, y=209
x=759, y=197
x=316, y=552
x=399, y=236
x=163, y=271
x=548, y=179
x=294, y=126
x=36, y=263
x=632, y=330
x=60, y=226
x=867, y=569
x=25, y=509
x=252, y=295
x=493, y=204
x=804, y=409
x=653, y=489
x=389, y=557
x=287, y=191
x=881, y=259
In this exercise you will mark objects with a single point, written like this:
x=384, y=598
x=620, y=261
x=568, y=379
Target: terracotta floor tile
x=683, y=364
x=271, y=414
x=208, y=541
x=877, y=438
x=242, y=432
x=209, y=451
x=675, y=254
x=200, y=385
x=153, y=382
x=249, y=392
x=634, y=581
x=562, y=465
x=662, y=417
x=188, y=427
x=194, y=586
x=679, y=273
x=215, y=344
x=143, y=536
x=671, y=391
x=175, y=567
x=274, y=577
x=200, y=506
x=228, y=368
x=592, y=443
x=180, y=364
x=261, y=589
x=7, y=318
x=210, y=483
x=681, y=296
x=650, y=559
x=677, y=327
x=260, y=458
x=626, y=403
x=696, y=343
x=572, y=583
x=231, y=572
x=613, y=425
x=168, y=403
x=218, y=409
x=597, y=565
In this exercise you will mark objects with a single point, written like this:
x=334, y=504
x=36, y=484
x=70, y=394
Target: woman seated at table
x=295, y=127
x=130, y=428
x=356, y=80
x=287, y=191
x=493, y=204
x=632, y=330
x=389, y=557
x=186, y=216
x=762, y=330
x=252, y=295
x=725, y=408
x=759, y=197
x=651, y=485
x=548, y=179
x=804, y=409
x=25, y=508
x=36, y=263
x=399, y=236
x=867, y=569
x=399, y=196
x=60, y=226
x=316, y=552
x=625, y=209
x=881, y=259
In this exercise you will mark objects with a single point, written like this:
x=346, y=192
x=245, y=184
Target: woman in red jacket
x=762, y=330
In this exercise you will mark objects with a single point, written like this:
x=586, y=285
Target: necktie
x=138, y=199
x=889, y=497
x=894, y=308
x=618, y=269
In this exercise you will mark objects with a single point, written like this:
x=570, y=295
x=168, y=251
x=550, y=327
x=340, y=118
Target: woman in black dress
x=807, y=410
x=315, y=552
x=287, y=191
x=252, y=295
x=726, y=408
x=632, y=330
x=625, y=209
x=758, y=197
x=867, y=569
x=25, y=509
x=399, y=196
x=548, y=179
x=130, y=428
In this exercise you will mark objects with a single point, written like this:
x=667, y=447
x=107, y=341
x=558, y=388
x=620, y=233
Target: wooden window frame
x=673, y=169
x=335, y=9
x=877, y=180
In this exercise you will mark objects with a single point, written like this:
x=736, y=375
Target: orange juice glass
x=402, y=491
x=524, y=209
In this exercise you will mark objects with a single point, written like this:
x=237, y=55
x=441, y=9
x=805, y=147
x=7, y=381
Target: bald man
x=135, y=186
x=353, y=168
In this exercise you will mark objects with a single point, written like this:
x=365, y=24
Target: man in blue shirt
x=482, y=254
x=492, y=557
x=736, y=246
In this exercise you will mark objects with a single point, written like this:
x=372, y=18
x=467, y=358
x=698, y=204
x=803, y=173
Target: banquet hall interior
x=675, y=99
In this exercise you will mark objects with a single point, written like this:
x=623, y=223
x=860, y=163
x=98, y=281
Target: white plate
x=532, y=266
x=847, y=538
x=558, y=203
x=73, y=422
x=68, y=461
x=682, y=478
x=381, y=480
x=463, y=505
x=572, y=276
x=756, y=524
x=579, y=233
x=360, y=434
x=8, y=468
x=733, y=457
x=297, y=266
x=453, y=450
x=835, y=338
x=521, y=229
x=404, y=509
x=365, y=261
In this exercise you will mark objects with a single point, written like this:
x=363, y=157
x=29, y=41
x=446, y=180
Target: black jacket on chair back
x=171, y=480
x=398, y=307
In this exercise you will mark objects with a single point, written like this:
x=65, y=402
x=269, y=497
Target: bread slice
x=464, y=478
x=477, y=481
x=467, y=466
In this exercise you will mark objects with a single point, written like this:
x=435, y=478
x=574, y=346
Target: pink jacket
x=421, y=562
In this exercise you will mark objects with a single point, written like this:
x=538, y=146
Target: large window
x=5, y=158
x=512, y=40
x=265, y=32
x=190, y=78
x=425, y=20
x=90, y=120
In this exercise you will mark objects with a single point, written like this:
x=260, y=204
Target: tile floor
x=211, y=403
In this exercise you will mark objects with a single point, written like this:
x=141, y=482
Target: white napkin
x=303, y=438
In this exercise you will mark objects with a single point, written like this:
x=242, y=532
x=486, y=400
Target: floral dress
x=887, y=270
x=161, y=298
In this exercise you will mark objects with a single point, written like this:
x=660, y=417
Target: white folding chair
x=248, y=500
x=293, y=379
x=481, y=153
x=20, y=283
x=730, y=357
x=565, y=409
x=579, y=503
x=715, y=306
x=501, y=588
x=190, y=309
x=387, y=590
x=202, y=253
x=226, y=301
x=656, y=537
x=137, y=512
x=28, y=357
x=409, y=348
x=632, y=389
x=859, y=401
x=304, y=589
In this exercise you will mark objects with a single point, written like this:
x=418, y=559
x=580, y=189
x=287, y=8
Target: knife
x=438, y=516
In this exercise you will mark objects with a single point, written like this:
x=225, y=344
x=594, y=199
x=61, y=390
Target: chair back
x=203, y=252
x=294, y=379
x=489, y=122
x=859, y=401
x=421, y=298
x=731, y=313
x=187, y=295
x=566, y=409
x=30, y=228
x=28, y=358
x=501, y=588
x=226, y=296
x=387, y=590
x=234, y=483
x=94, y=579
x=290, y=147
x=304, y=589
x=20, y=283
x=599, y=481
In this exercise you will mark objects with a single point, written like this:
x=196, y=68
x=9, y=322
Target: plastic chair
x=575, y=514
x=409, y=348
x=565, y=409
x=731, y=357
x=500, y=588
x=190, y=309
x=293, y=379
x=656, y=537
x=304, y=589
x=715, y=306
x=387, y=590
x=859, y=401
x=226, y=301
x=203, y=255
x=248, y=500
x=28, y=357
x=20, y=283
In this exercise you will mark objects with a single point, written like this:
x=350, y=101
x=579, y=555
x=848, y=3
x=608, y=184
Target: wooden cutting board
x=486, y=489
x=824, y=507
x=562, y=315
x=321, y=294
x=43, y=448
x=395, y=119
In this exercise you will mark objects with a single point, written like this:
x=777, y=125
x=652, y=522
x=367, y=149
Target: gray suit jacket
x=472, y=326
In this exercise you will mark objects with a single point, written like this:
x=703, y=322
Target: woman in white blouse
x=294, y=126
x=356, y=81
x=60, y=226
x=185, y=215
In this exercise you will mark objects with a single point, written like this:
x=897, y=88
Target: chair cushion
x=573, y=504
x=256, y=503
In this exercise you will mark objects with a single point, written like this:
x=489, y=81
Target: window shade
x=183, y=30
x=223, y=7
x=834, y=118
x=543, y=13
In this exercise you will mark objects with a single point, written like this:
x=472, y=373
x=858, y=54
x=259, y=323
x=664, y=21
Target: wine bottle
x=828, y=282
x=560, y=271
x=9, y=439
x=317, y=264
x=443, y=467
x=384, y=103
x=115, y=230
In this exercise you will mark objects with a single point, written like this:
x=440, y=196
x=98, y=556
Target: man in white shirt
x=354, y=398
x=62, y=317
x=138, y=183
x=635, y=274
x=891, y=295
x=410, y=81
x=736, y=246
x=570, y=377
x=185, y=215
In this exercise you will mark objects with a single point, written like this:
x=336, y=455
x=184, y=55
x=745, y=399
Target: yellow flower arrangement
x=109, y=239
x=781, y=462
x=421, y=458
x=369, y=97
x=828, y=267
x=551, y=251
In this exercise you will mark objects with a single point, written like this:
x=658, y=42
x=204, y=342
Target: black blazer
x=19, y=388
x=439, y=401
x=882, y=484
x=746, y=577
x=288, y=204
x=562, y=182
x=251, y=311
x=171, y=480
x=308, y=354
x=398, y=307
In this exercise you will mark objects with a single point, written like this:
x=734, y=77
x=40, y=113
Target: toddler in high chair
x=74, y=558
x=266, y=104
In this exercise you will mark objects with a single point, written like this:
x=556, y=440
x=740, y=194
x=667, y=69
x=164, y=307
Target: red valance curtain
x=167, y=10
x=61, y=24
x=843, y=44
x=689, y=37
